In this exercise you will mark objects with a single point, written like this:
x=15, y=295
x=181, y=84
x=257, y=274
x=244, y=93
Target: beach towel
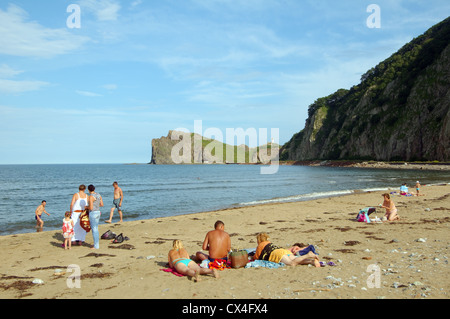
x=264, y=263
x=219, y=264
x=173, y=271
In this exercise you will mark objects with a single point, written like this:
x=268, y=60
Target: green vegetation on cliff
x=399, y=111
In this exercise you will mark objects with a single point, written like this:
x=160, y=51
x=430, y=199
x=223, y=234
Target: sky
x=97, y=83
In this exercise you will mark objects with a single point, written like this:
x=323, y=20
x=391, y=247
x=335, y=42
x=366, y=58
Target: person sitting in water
x=391, y=210
x=268, y=251
x=180, y=261
x=217, y=242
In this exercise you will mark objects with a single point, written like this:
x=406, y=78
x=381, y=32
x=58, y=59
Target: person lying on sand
x=302, y=249
x=268, y=251
x=180, y=261
x=391, y=210
x=217, y=242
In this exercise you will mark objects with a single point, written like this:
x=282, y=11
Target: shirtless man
x=217, y=242
x=39, y=210
x=117, y=202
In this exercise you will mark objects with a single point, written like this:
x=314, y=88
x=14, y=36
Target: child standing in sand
x=417, y=188
x=67, y=230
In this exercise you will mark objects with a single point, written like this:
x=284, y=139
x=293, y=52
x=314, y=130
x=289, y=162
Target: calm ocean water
x=152, y=191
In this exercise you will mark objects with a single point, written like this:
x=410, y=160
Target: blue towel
x=264, y=263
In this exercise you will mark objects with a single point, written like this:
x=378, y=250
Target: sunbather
x=180, y=261
x=391, y=210
x=268, y=251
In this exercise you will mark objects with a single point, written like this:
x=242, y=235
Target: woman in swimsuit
x=391, y=210
x=180, y=261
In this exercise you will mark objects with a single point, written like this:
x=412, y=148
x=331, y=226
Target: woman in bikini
x=180, y=261
x=391, y=210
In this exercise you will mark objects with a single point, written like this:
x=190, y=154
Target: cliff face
x=201, y=150
x=399, y=111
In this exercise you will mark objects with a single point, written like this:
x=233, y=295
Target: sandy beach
x=411, y=255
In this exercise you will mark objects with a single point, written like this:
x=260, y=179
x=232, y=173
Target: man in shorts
x=117, y=202
x=38, y=213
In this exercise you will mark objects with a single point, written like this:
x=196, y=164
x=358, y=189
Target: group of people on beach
x=388, y=203
x=404, y=190
x=73, y=231
x=218, y=244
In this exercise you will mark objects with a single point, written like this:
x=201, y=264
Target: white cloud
x=136, y=3
x=11, y=86
x=19, y=37
x=7, y=72
x=105, y=10
x=88, y=94
x=110, y=87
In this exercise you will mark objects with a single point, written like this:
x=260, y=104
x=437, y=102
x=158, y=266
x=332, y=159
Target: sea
x=153, y=191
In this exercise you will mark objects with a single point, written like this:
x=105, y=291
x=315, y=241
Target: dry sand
x=408, y=268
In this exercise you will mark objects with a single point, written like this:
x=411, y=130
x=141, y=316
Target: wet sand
x=410, y=255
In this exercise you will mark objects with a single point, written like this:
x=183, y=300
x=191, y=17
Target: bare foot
x=215, y=273
x=108, y=221
x=197, y=276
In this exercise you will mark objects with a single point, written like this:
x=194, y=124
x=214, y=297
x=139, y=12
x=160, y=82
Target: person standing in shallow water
x=117, y=202
x=38, y=215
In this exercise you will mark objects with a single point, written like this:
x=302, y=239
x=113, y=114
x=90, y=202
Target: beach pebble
x=421, y=240
x=150, y=257
x=38, y=281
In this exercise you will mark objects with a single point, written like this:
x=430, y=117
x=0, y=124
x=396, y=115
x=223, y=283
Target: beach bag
x=84, y=221
x=239, y=259
x=363, y=215
x=119, y=239
x=108, y=235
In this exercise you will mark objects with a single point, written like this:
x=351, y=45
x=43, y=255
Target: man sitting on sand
x=38, y=213
x=217, y=242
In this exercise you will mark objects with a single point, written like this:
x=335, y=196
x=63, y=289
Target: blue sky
x=136, y=69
